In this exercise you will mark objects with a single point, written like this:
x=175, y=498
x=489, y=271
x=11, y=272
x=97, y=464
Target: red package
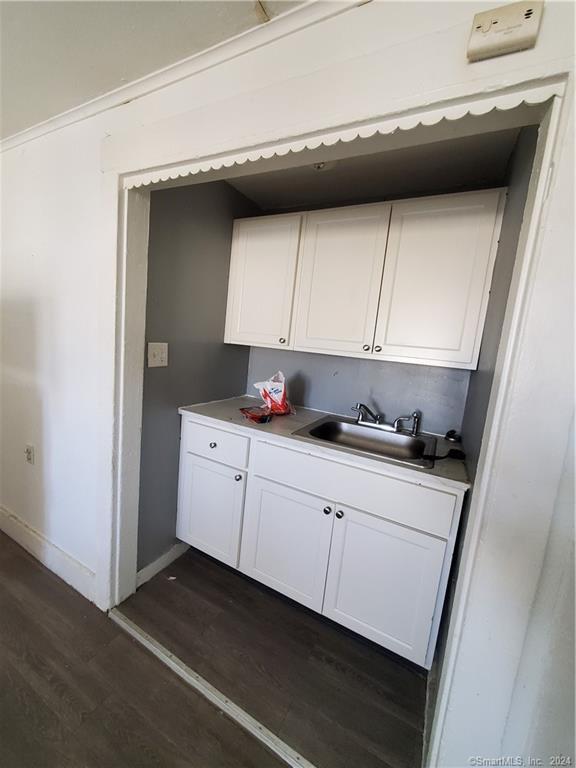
x=273, y=392
x=259, y=414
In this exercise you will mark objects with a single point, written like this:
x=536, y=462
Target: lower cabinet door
x=286, y=540
x=383, y=581
x=210, y=507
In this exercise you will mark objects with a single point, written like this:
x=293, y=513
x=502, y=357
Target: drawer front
x=418, y=507
x=215, y=444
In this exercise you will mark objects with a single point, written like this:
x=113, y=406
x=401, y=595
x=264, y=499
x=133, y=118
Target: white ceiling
x=444, y=166
x=57, y=55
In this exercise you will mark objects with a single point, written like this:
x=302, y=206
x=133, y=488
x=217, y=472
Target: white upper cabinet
x=262, y=277
x=439, y=262
x=341, y=260
x=407, y=281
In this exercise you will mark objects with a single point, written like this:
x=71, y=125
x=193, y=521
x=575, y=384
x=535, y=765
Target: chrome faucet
x=416, y=417
x=366, y=416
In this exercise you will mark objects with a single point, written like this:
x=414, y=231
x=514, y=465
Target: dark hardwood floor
x=341, y=701
x=76, y=692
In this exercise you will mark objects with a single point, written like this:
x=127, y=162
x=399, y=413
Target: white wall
x=541, y=717
x=59, y=262
x=508, y=563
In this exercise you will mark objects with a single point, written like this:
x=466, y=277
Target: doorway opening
x=243, y=639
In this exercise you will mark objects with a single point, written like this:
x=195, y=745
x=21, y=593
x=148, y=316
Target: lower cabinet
x=373, y=576
x=377, y=564
x=383, y=580
x=286, y=540
x=210, y=502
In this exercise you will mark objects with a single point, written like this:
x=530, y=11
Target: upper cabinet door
x=341, y=260
x=262, y=278
x=437, y=275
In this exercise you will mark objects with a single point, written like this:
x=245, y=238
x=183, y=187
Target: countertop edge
x=306, y=416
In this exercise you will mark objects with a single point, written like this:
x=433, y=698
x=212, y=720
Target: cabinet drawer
x=405, y=502
x=216, y=444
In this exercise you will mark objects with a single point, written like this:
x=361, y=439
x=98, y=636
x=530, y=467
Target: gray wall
x=334, y=384
x=188, y=264
x=481, y=379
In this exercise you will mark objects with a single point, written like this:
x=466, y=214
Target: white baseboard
x=162, y=562
x=70, y=570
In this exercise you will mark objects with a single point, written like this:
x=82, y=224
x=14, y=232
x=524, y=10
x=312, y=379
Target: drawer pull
x=366, y=347
x=377, y=349
x=327, y=510
x=213, y=445
x=282, y=340
x=339, y=514
x=237, y=478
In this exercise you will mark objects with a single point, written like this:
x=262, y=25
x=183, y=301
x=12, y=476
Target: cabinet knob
x=213, y=445
x=237, y=478
x=366, y=347
x=339, y=514
x=327, y=510
x=282, y=340
x=377, y=349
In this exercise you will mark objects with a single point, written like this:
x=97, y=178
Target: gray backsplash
x=334, y=384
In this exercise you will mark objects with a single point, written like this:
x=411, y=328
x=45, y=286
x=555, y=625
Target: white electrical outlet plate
x=507, y=29
x=157, y=354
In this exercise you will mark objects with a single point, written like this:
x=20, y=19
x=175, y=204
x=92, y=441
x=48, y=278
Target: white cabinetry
x=407, y=281
x=211, y=487
x=436, y=282
x=286, y=540
x=341, y=260
x=383, y=580
x=366, y=544
x=210, y=505
x=262, y=278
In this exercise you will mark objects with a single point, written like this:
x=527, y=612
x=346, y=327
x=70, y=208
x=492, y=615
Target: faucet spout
x=365, y=415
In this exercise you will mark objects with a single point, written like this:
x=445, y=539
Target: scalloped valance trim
x=399, y=122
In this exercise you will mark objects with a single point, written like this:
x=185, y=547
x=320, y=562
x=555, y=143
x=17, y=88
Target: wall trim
x=150, y=570
x=288, y=23
x=70, y=570
x=506, y=99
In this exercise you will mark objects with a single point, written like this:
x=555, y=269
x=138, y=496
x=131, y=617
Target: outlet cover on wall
x=506, y=29
x=157, y=354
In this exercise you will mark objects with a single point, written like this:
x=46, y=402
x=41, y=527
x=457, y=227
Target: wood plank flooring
x=77, y=692
x=337, y=699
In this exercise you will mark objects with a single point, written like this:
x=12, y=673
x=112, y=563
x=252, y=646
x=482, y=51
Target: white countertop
x=227, y=411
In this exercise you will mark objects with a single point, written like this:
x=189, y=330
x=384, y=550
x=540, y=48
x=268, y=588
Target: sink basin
x=395, y=446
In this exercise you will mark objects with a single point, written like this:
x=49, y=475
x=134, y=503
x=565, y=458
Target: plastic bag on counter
x=276, y=403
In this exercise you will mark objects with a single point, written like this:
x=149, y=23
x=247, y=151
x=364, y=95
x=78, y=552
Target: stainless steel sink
x=376, y=441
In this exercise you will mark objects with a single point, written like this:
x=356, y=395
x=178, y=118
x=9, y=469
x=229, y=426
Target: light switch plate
x=157, y=354
x=507, y=29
